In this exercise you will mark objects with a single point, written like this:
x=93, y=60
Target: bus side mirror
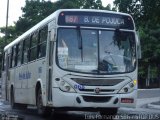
x=52, y=30
x=52, y=35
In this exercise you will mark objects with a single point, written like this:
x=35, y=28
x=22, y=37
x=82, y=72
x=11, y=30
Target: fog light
x=115, y=101
x=78, y=100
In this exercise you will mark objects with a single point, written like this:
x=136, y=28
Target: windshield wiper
x=80, y=41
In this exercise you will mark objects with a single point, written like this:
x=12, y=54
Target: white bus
x=75, y=59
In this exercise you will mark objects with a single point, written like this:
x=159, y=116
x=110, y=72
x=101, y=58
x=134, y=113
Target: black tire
x=41, y=110
x=109, y=111
x=12, y=101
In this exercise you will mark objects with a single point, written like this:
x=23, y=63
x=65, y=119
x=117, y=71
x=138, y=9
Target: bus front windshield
x=96, y=51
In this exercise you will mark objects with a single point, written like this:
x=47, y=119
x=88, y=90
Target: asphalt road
x=123, y=114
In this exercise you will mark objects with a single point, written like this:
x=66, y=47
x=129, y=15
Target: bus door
x=50, y=59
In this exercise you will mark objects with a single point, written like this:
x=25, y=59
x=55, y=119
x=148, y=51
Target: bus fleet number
x=80, y=87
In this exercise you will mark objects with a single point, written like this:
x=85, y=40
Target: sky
x=15, y=10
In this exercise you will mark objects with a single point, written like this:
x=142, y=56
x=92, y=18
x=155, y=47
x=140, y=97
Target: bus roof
x=55, y=15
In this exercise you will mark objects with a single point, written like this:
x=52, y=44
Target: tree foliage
x=33, y=12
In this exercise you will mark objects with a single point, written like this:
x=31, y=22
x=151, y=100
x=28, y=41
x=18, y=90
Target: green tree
x=33, y=12
x=85, y=4
x=11, y=32
x=92, y=4
x=11, y=35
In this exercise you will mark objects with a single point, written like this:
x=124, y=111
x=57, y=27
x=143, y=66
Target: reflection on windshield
x=117, y=52
x=70, y=56
x=102, y=51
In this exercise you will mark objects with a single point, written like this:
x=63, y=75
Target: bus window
x=3, y=62
x=13, y=56
x=42, y=42
x=26, y=44
x=33, y=49
x=19, y=53
x=9, y=60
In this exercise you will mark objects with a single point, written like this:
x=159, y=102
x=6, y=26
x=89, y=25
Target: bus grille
x=97, y=82
x=92, y=90
x=99, y=99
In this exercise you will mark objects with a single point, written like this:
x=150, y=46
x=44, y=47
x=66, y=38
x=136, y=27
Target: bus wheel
x=43, y=111
x=109, y=112
x=13, y=104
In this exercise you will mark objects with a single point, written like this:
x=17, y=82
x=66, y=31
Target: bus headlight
x=129, y=87
x=64, y=86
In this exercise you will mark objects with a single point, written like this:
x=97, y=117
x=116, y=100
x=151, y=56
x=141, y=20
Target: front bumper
x=76, y=100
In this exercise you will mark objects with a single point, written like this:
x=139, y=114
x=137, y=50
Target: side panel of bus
x=33, y=68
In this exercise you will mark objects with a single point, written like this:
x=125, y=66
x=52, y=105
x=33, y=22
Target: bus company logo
x=97, y=90
x=25, y=75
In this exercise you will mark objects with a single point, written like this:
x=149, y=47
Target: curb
x=153, y=106
x=149, y=89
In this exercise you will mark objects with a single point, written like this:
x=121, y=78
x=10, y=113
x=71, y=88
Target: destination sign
x=108, y=20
